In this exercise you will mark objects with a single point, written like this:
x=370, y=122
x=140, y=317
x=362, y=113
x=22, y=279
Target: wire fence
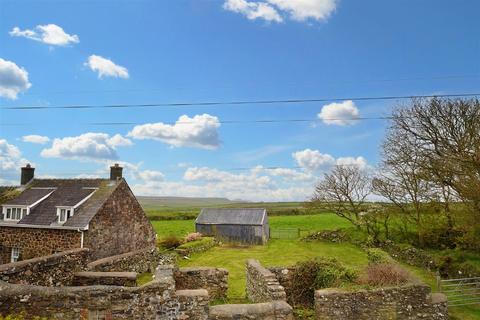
x=460, y=292
x=287, y=233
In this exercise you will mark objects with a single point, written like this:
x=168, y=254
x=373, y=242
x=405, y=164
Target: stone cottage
x=46, y=216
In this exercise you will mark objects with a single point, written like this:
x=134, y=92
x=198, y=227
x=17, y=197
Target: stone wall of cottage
x=35, y=242
x=214, y=280
x=90, y=278
x=52, y=270
x=157, y=299
x=144, y=260
x=411, y=302
x=120, y=226
x=262, y=284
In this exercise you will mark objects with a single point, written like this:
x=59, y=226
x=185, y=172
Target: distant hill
x=182, y=202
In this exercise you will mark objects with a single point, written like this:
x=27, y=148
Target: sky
x=104, y=53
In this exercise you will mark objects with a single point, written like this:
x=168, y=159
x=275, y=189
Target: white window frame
x=20, y=211
x=15, y=254
x=59, y=214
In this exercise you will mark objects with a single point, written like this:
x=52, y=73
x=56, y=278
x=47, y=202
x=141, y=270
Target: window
x=64, y=214
x=15, y=255
x=15, y=214
x=97, y=315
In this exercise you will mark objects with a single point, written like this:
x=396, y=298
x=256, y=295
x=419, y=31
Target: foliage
x=301, y=313
x=385, y=274
x=171, y=242
x=378, y=256
x=20, y=316
x=143, y=278
x=315, y=274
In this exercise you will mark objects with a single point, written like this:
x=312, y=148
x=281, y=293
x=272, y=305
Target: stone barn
x=247, y=226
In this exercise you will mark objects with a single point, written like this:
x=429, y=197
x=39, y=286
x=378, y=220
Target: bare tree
x=445, y=135
x=344, y=191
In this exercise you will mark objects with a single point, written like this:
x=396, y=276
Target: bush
x=377, y=256
x=193, y=236
x=319, y=273
x=171, y=242
x=385, y=274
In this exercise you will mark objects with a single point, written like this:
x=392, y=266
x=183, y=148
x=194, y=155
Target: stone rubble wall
x=139, y=261
x=262, y=284
x=214, y=280
x=284, y=277
x=275, y=310
x=157, y=299
x=52, y=270
x=409, y=302
x=88, y=278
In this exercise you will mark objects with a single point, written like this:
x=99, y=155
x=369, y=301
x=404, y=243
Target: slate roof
x=237, y=216
x=66, y=192
x=29, y=196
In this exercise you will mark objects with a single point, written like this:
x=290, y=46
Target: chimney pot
x=116, y=172
x=27, y=174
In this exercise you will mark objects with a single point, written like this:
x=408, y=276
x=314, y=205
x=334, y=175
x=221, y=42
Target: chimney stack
x=116, y=172
x=27, y=174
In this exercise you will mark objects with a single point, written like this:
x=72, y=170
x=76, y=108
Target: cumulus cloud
x=35, y=138
x=314, y=160
x=150, y=175
x=13, y=79
x=341, y=114
x=50, y=34
x=10, y=162
x=201, y=131
x=276, y=10
x=253, y=10
x=106, y=67
x=87, y=146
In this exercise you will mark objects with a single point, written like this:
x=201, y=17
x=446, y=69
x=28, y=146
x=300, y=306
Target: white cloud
x=87, y=146
x=105, y=67
x=253, y=10
x=302, y=10
x=289, y=174
x=314, y=160
x=198, y=132
x=13, y=79
x=50, y=34
x=35, y=138
x=10, y=162
x=151, y=175
x=274, y=10
x=340, y=114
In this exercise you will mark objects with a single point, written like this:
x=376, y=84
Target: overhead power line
x=235, y=102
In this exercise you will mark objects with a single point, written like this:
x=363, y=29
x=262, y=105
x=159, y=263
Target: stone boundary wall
x=284, y=277
x=157, y=299
x=275, y=310
x=53, y=270
x=145, y=260
x=186, y=251
x=262, y=284
x=409, y=302
x=89, y=278
x=214, y=280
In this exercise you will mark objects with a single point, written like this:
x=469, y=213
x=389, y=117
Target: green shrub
x=377, y=255
x=171, y=242
x=318, y=273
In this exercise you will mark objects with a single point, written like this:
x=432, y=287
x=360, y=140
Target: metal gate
x=460, y=292
x=285, y=233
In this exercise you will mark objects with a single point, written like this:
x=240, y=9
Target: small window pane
x=19, y=213
x=9, y=213
x=24, y=213
x=62, y=215
x=15, y=254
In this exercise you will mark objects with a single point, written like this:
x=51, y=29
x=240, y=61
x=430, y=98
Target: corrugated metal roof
x=242, y=216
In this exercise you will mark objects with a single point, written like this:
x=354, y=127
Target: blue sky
x=133, y=52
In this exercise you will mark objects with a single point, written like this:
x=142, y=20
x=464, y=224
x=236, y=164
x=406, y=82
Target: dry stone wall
x=275, y=310
x=262, y=284
x=157, y=299
x=88, y=278
x=52, y=270
x=214, y=280
x=410, y=302
x=144, y=260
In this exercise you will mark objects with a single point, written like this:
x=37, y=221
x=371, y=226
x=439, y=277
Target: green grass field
x=288, y=252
